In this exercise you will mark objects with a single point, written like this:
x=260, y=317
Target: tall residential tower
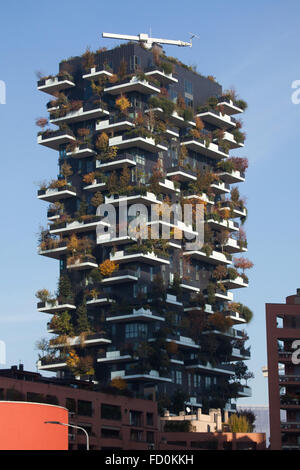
x=133, y=125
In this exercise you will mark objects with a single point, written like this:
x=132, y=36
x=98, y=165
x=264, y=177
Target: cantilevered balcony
x=54, y=306
x=161, y=76
x=142, y=314
x=174, y=119
x=236, y=211
x=198, y=145
x=53, y=139
x=236, y=283
x=220, y=187
x=76, y=226
x=135, y=374
x=220, y=369
x=234, y=246
x=235, y=317
x=56, y=194
x=229, y=138
x=145, y=143
x=147, y=199
x=82, y=151
x=224, y=121
x=229, y=225
x=112, y=357
x=231, y=177
x=190, y=285
x=90, y=340
x=54, y=85
x=244, y=391
x=107, y=239
x=224, y=295
x=139, y=86
x=123, y=123
x=120, y=161
x=168, y=187
x=101, y=300
x=179, y=228
x=97, y=72
x=240, y=354
x=120, y=277
x=196, y=308
x=59, y=249
x=83, y=263
x=229, y=106
x=181, y=173
x=89, y=111
x=96, y=185
x=215, y=258
x=200, y=198
x=120, y=257
x=52, y=365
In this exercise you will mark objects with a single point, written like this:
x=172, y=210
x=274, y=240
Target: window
x=150, y=437
x=135, y=418
x=71, y=405
x=133, y=330
x=52, y=400
x=111, y=412
x=35, y=397
x=189, y=102
x=85, y=408
x=136, y=435
x=110, y=433
x=140, y=159
x=62, y=151
x=188, y=87
x=87, y=427
x=178, y=377
x=149, y=419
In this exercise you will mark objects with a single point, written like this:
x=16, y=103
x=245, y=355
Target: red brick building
x=113, y=421
x=283, y=328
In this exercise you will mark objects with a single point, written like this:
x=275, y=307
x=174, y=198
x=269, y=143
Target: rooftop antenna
x=146, y=40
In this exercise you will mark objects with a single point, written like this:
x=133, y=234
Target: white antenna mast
x=146, y=40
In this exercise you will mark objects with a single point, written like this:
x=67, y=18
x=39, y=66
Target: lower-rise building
x=283, y=340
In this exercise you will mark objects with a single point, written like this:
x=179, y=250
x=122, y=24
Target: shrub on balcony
x=162, y=102
x=166, y=67
x=188, y=114
x=219, y=321
x=122, y=104
x=80, y=365
x=88, y=59
x=232, y=273
x=177, y=426
x=64, y=292
x=62, y=324
x=43, y=295
x=220, y=272
x=119, y=383
x=82, y=321
x=107, y=268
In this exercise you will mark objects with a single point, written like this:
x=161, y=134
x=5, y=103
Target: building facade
x=113, y=421
x=283, y=331
x=135, y=127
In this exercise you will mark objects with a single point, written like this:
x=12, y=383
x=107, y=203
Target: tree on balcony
x=82, y=321
x=107, y=268
x=64, y=292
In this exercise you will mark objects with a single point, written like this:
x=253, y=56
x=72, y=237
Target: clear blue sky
x=253, y=46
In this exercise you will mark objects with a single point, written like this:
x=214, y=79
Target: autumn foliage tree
x=108, y=267
x=122, y=103
x=242, y=263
